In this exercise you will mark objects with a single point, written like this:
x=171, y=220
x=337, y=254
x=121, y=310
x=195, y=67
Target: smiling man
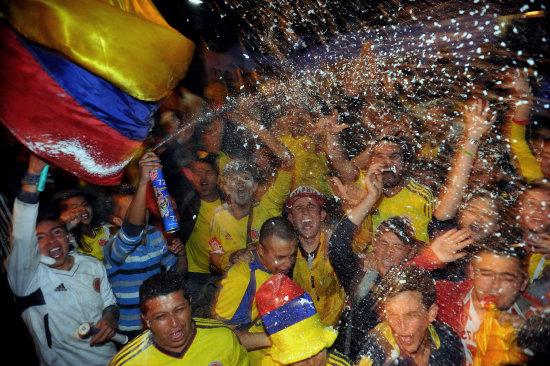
x=56, y=289
x=235, y=302
x=173, y=336
x=409, y=333
x=313, y=271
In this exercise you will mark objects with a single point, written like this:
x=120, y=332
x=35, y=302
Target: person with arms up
x=173, y=337
x=137, y=251
x=57, y=289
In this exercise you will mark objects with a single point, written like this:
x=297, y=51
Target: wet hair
x=162, y=284
x=502, y=244
x=239, y=166
x=279, y=227
x=406, y=148
x=402, y=227
x=406, y=278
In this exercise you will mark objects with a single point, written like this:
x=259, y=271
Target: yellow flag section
x=125, y=42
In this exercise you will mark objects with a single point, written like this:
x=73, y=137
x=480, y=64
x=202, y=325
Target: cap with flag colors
x=291, y=321
x=304, y=191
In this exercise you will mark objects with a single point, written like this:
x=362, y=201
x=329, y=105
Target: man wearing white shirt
x=56, y=289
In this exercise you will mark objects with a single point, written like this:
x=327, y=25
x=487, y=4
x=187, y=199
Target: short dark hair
x=279, y=227
x=503, y=245
x=407, y=149
x=162, y=284
x=209, y=159
x=403, y=278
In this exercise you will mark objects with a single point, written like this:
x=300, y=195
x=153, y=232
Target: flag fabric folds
x=80, y=80
x=131, y=46
x=90, y=129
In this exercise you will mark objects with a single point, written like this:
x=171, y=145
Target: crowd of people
x=348, y=234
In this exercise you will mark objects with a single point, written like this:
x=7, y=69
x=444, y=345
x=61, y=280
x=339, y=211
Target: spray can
x=163, y=200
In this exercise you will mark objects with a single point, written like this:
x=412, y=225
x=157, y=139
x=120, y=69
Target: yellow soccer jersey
x=213, y=344
x=416, y=201
x=311, y=165
x=197, y=245
x=333, y=358
x=227, y=234
x=96, y=243
x=321, y=283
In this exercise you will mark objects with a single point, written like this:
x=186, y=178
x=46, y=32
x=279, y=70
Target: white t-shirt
x=55, y=302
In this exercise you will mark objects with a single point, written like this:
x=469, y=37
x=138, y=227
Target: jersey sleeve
x=234, y=298
x=274, y=199
x=119, y=247
x=524, y=158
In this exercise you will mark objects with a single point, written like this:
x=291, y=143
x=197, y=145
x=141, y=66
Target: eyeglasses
x=488, y=275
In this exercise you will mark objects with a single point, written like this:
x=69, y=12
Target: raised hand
x=478, y=118
x=448, y=245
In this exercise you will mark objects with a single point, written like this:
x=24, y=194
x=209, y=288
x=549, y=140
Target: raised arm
x=478, y=119
x=328, y=128
x=517, y=83
x=347, y=265
x=24, y=258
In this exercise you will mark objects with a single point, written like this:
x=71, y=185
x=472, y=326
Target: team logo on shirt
x=97, y=284
x=215, y=245
x=102, y=242
x=215, y=363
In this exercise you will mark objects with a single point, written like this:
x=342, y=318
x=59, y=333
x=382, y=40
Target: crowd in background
x=421, y=233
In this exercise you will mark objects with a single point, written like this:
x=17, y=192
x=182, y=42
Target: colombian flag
x=77, y=91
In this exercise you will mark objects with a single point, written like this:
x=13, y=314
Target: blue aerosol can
x=166, y=209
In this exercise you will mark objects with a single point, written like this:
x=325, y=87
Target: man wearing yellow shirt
x=402, y=195
x=235, y=225
x=313, y=271
x=196, y=208
x=173, y=336
x=235, y=302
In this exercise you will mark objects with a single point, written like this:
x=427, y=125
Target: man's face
x=388, y=157
x=53, y=242
x=498, y=276
x=408, y=319
x=240, y=188
x=479, y=217
x=534, y=210
x=80, y=207
x=389, y=251
x=306, y=215
x=205, y=178
x=169, y=318
x=277, y=255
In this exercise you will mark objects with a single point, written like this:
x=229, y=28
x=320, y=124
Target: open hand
x=447, y=246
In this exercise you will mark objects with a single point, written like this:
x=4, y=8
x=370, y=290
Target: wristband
x=522, y=123
x=467, y=153
x=30, y=179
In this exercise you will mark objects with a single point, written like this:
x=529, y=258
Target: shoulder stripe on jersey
x=132, y=349
x=337, y=359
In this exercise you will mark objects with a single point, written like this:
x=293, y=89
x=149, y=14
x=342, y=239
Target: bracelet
x=522, y=123
x=30, y=179
x=467, y=153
